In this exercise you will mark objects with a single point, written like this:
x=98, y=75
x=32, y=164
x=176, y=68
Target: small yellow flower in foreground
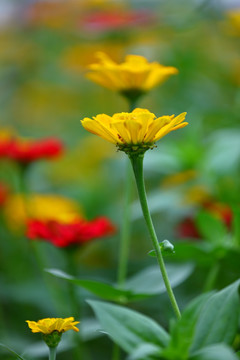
x=133, y=132
x=132, y=77
x=49, y=325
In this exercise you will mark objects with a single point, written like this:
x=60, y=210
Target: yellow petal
x=96, y=128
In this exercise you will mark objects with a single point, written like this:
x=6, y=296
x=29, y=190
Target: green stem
x=52, y=353
x=125, y=231
x=137, y=164
x=116, y=352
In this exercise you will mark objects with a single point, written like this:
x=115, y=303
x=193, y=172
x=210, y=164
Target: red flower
x=27, y=151
x=67, y=234
x=188, y=229
x=116, y=19
x=3, y=193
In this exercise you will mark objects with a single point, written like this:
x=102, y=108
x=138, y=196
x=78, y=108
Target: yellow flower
x=234, y=19
x=133, y=132
x=41, y=207
x=48, y=325
x=179, y=178
x=134, y=75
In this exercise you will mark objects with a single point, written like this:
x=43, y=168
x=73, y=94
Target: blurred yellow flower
x=133, y=132
x=134, y=74
x=234, y=19
x=48, y=325
x=179, y=178
x=197, y=195
x=41, y=207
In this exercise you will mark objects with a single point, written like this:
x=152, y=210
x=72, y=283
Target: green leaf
x=236, y=226
x=128, y=328
x=103, y=290
x=214, y=352
x=200, y=253
x=11, y=351
x=149, y=280
x=218, y=320
x=182, y=330
x=143, y=351
x=211, y=228
x=143, y=285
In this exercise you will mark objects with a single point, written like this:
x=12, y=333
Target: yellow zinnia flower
x=133, y=132
x=19, y=208
x=48, y=325
x=132, y=77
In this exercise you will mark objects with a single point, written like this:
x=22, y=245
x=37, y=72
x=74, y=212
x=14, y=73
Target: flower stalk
x=137, y=165
x=126, y=228
x=52, y=353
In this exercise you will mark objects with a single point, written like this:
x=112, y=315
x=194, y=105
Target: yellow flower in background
x=42, y=207
x=179, y=178
x=134, y=74
x=234, y=20
x=48, y=325
x=133, y=132
x=197, y=195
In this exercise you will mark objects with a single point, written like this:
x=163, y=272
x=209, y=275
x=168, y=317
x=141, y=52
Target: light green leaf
x=11, y=351
x=128, y=328
x=143, y=351
x=149, y=280
x=218, y=320
x=214, y=352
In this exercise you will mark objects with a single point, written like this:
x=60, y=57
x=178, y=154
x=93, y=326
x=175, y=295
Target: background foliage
x=45, y=47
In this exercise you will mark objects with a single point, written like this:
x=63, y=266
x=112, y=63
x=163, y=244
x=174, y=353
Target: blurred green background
x=193, y=175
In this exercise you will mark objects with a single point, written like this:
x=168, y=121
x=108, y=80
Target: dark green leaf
x=128, y=328
x=182, y=330
x=214, y=352
x=146, y=283
x=236, y=226
x=103, y=290
x=11, y=351
x=211, y=228
x=200, y=253
x=218, y=320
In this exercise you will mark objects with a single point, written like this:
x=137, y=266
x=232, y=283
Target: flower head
x=48, y=325
x=133, y=132
x=73, y=233
x=132, y=77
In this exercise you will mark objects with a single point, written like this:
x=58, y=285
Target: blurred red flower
x=69, y=234
x=188, y=229
x=116, y=19
x=27, y=151
x=3, y=193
